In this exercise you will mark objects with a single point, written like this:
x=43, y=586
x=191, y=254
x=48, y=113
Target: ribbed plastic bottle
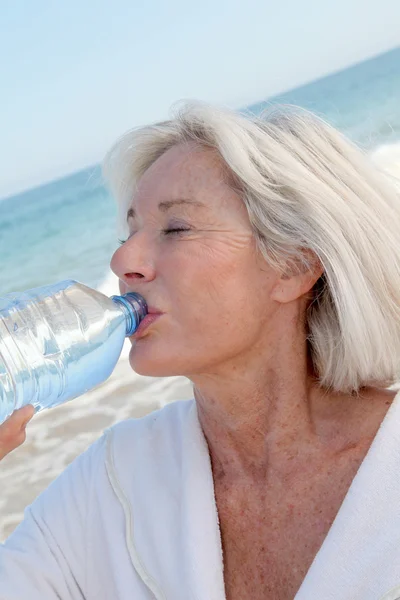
x=59, y=341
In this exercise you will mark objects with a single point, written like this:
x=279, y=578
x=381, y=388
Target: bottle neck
x=134, y=307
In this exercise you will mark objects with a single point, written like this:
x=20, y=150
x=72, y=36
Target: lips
x=151, y=310
x=145, y=323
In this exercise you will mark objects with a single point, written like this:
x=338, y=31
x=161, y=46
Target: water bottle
x=59, y=341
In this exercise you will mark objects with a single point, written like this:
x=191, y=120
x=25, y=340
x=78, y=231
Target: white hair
x=305, y=187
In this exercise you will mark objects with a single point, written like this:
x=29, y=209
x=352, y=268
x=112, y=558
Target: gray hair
x=305, y=187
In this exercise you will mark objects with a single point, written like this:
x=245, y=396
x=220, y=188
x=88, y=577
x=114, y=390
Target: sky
x=75, y=75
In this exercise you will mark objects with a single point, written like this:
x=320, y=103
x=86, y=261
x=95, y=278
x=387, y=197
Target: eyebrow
x=166, y=205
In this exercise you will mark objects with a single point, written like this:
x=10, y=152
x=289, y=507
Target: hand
x=12, y=431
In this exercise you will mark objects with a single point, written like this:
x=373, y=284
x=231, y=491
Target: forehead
x=183, y=170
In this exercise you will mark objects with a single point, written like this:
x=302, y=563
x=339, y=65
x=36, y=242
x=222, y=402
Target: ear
x=298, y=278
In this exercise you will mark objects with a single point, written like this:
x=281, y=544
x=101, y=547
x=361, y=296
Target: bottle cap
x=135, y=309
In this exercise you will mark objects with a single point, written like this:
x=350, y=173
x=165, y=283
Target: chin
x=152, y=364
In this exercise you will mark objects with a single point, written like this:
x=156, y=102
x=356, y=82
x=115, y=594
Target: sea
x=67, y=229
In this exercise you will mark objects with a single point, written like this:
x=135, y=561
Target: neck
x=264, y=413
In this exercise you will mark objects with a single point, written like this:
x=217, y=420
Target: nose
x=132, y=263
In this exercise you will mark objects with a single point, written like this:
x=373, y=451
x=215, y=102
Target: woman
x=268, y=250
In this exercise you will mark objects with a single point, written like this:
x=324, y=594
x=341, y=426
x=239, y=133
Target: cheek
x=211, y=292
x=122, y=287
x=116, y=268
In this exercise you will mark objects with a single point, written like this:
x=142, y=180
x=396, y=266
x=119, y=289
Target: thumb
x=22, y=416
x=12, y=431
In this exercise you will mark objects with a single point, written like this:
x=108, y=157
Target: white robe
x=135, y=518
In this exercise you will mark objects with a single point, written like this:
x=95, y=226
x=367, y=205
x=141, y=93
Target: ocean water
x=362, y=101
x=67, y=229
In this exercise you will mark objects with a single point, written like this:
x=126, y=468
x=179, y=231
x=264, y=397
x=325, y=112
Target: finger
x=19, y=418
x=24, y=415
x=11, y=443
x=12, y=431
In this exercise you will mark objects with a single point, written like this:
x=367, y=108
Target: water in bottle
x=59, y=341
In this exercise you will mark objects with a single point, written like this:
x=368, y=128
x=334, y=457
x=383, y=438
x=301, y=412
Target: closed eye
x=172, y=231
x=175, y=230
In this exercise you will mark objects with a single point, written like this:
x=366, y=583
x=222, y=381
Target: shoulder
x=134, y=448
x=147, y=453
x=165, y=423
x=150, y=440
x=127, y=443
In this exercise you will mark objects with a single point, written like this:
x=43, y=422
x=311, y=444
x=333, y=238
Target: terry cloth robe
x=135, y=518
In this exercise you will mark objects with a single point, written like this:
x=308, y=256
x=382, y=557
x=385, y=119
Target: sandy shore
x=56, y=436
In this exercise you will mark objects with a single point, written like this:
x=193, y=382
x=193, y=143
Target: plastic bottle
x=59, y=341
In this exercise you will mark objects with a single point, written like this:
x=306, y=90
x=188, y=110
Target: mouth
x=151, y=310
x=145, y=323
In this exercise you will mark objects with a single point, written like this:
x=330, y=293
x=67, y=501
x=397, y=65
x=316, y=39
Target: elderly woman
x=268, y=250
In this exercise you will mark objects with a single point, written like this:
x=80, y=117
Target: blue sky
x=75, y=75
